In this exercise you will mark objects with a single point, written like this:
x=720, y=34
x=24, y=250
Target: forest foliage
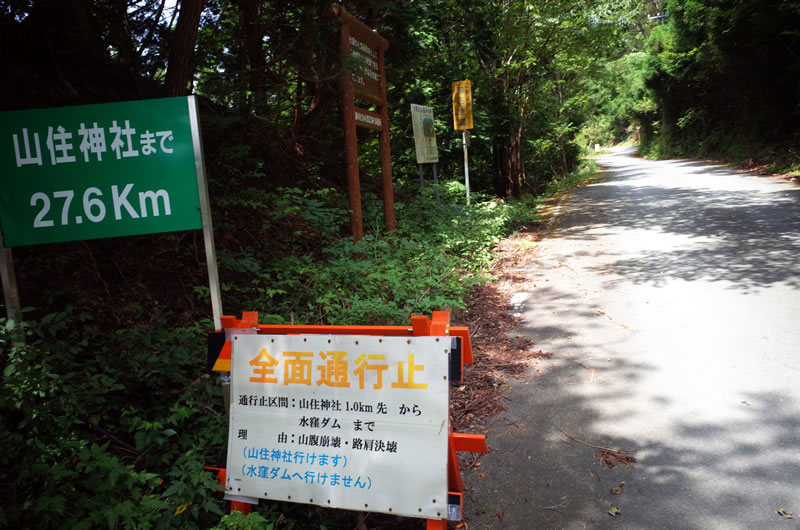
x=713, y=79
x=108, y=417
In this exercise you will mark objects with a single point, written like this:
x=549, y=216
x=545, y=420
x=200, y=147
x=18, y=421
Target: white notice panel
x=344, y=421
x=424, y=134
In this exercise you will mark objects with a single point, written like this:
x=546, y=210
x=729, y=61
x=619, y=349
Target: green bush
x=318, y=274
x=107, y=429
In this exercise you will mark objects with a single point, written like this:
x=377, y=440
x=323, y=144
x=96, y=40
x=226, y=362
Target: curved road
x=669, y=294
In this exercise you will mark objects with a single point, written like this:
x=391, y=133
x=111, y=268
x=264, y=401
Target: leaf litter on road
x=618, y=489
x=610, y=456
x=501, y=352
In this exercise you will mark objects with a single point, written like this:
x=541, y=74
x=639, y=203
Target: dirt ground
x=499, y=354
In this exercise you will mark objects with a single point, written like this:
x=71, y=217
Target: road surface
x=669, y=294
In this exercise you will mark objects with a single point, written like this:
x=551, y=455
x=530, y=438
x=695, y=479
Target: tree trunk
x=506, y=168
x=316, y=96
x=517, y=165
x=252, y=35
x=502, y=185
x=180, y=66
x=121, y=35
x=512, y=171
x=563, y=150
x=512, y=167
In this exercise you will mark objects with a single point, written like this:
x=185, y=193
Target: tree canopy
x=714, y=79
x=269, y=70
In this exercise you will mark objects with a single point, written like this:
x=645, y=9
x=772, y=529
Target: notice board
x=424, y=134
x=343, y=421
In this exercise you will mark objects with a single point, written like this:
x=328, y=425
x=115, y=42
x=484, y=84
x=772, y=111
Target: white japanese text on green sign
x=94, y=171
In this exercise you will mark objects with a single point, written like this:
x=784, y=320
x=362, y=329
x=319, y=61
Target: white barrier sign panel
x=424, y=134
x=343, y=421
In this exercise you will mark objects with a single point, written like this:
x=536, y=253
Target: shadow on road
x=694, y=469
x=536, y=477
x=744, y=237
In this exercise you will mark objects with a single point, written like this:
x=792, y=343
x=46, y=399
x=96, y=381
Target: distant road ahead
x=669, y=294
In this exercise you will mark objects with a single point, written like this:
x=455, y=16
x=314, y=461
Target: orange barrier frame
x=421, y=326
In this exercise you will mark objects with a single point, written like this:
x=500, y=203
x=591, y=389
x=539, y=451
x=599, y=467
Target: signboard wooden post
x=364, y=78
x=110, y=170
x=462, y=120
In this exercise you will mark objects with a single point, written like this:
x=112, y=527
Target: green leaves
x=96, y=426
x=707, y=63
x=430, y=262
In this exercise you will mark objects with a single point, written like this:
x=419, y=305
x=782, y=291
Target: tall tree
x=533, y=38
x=726, y=74
x=180, y=66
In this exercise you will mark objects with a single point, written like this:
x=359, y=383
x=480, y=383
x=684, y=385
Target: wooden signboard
x=363, y=77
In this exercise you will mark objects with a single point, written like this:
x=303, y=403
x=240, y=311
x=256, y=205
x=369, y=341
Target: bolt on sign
x=424, y=134
x=342, y=421
x=363, y=78
x=95, y=171
x=462, y=105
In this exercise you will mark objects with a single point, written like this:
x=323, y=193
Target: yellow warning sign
x=462, y=105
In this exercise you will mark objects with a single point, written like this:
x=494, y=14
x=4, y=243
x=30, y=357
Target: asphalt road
x=669, y=294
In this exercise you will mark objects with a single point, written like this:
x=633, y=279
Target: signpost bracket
x=456, y=361
x=236, y=506
x=216, y=342
x=462, y=332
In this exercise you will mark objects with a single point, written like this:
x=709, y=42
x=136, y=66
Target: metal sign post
x=465, y=141
x=462, y=120
x=9, y=279
x=205, y=213
x=435, y=184
x=10, y=291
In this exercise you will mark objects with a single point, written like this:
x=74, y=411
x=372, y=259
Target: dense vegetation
x=109, y=424
x=108, y=417
x=715, y=79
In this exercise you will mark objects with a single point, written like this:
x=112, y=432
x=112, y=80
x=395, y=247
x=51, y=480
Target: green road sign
x=94, y=171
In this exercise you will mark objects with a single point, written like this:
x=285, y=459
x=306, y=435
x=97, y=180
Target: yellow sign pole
x=462, y=120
